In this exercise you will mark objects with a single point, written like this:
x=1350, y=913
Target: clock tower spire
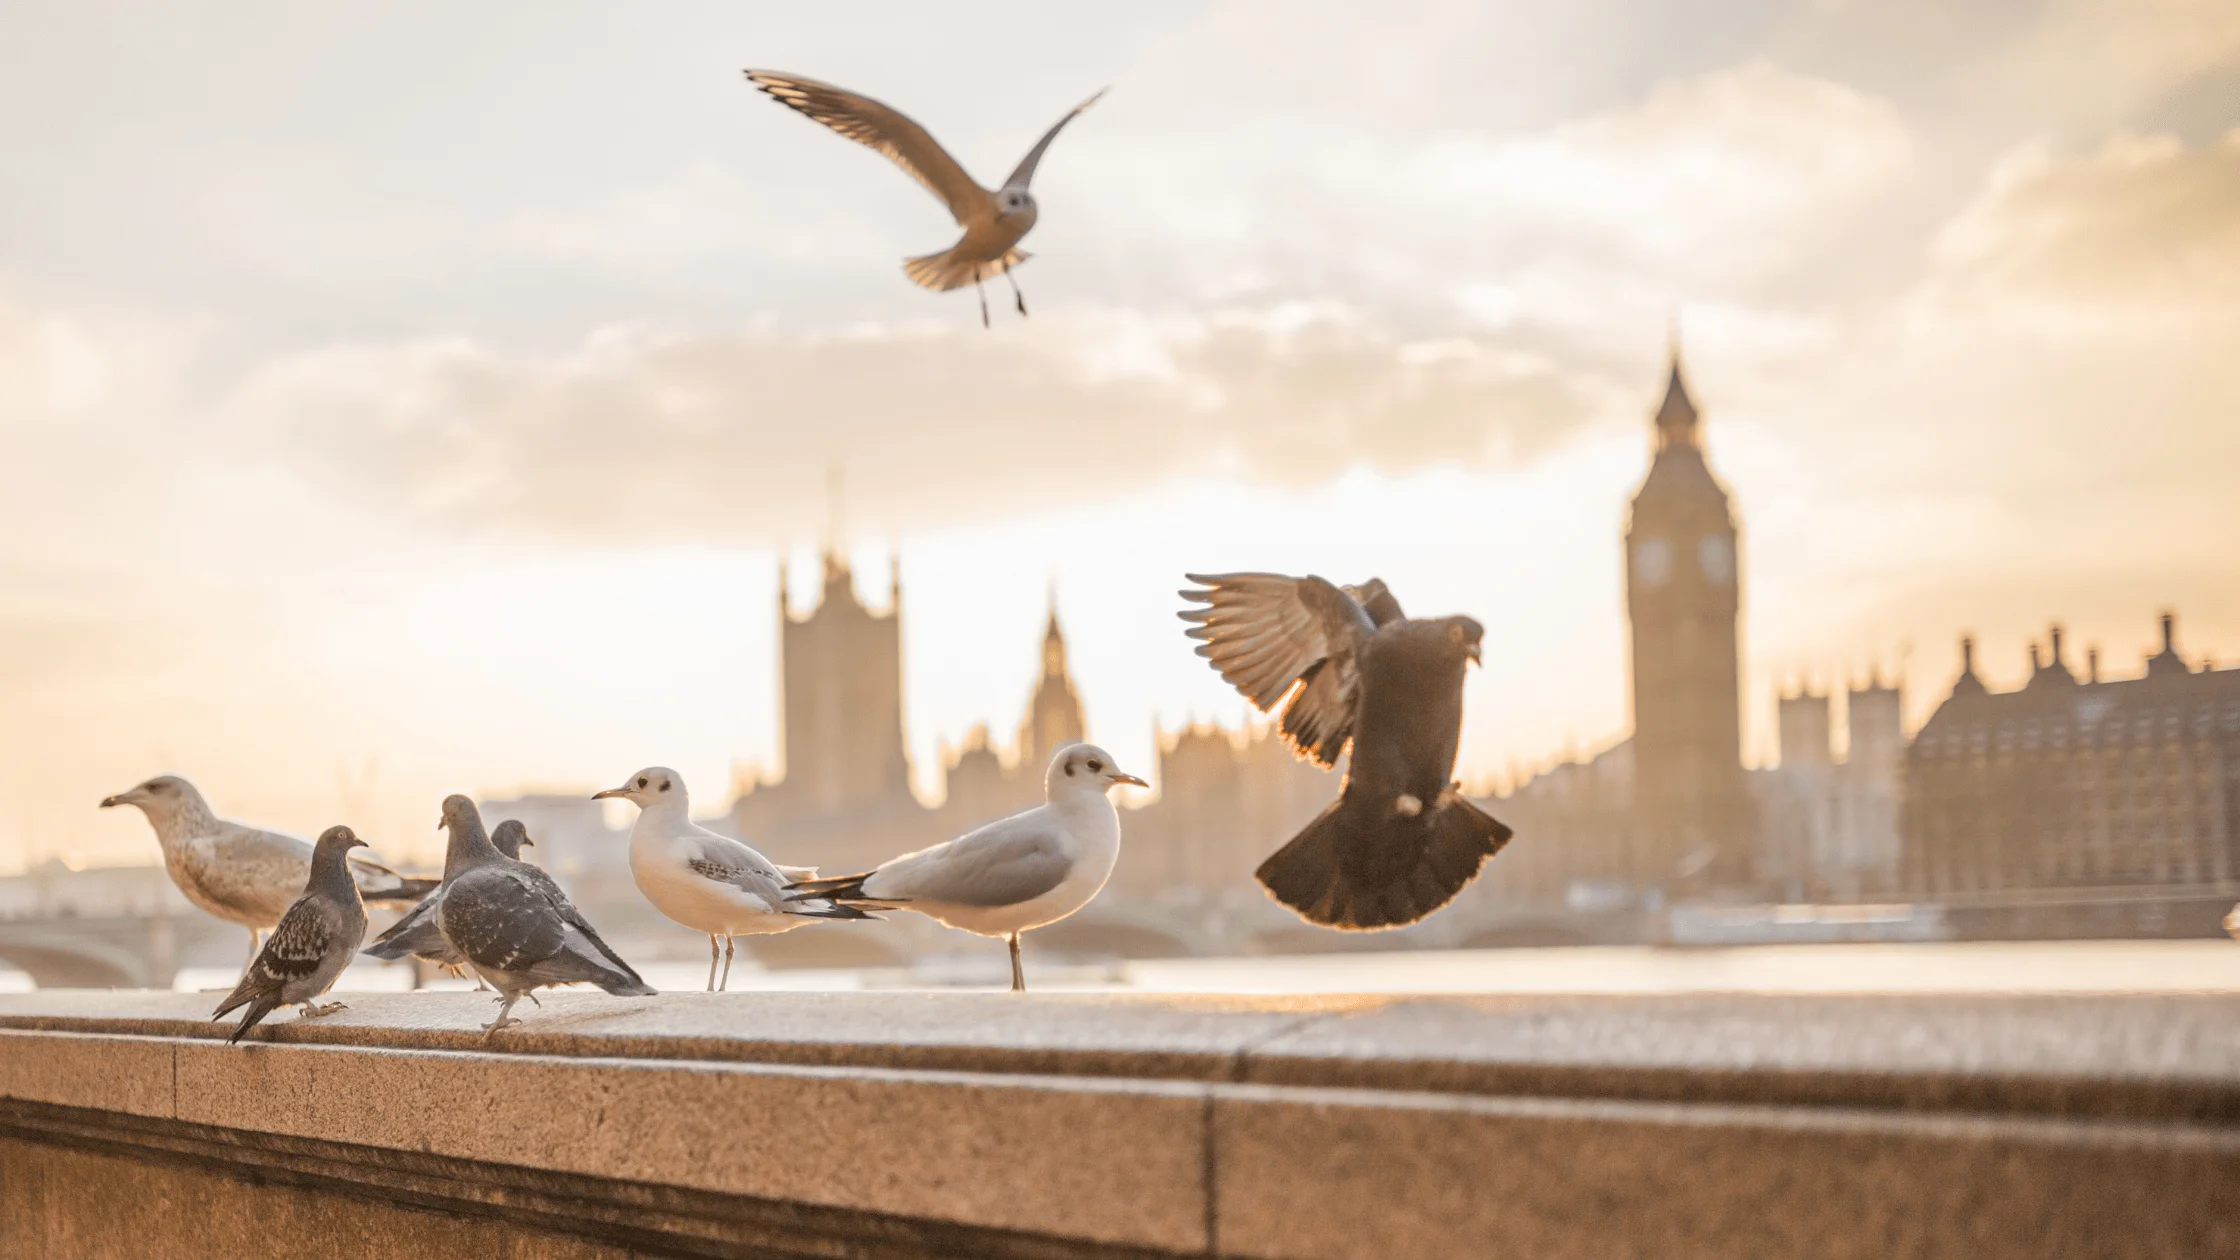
x=1684, y=603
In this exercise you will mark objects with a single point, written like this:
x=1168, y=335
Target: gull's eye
x=1095, y=765
x=641, y=782
x=1455, y=633
x=664, y=785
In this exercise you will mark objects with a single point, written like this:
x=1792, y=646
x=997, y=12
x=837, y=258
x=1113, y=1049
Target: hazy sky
x=412, y=398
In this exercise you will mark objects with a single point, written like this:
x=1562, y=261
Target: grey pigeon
x=237, y=872
x=993, y=220
x=312, y=943
x=420, y=935
x=512, y=923
x=1400, y=841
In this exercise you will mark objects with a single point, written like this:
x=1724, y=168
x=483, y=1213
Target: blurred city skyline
x=401, y=402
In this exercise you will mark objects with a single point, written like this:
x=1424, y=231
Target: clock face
x=1652, y=561
x=1716, y=554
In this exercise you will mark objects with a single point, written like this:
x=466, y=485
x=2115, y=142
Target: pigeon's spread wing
x=886, y=129
x=1010, y=861
x=1024, y=173
x=1273, y=636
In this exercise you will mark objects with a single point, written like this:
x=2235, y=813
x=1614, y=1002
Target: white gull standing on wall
x=709, y=883
x=1015, y=874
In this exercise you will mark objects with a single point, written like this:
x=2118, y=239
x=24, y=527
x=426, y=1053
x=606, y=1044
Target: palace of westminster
x=2070, y=782
x=2072, y=788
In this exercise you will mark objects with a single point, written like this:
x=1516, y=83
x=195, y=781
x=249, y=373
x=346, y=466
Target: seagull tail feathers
x=947, y=270
x=1356, y=869
x=822, y=909
x=407, y=888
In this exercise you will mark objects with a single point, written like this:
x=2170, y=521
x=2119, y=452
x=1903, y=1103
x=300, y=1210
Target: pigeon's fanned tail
x=1358, y=872
x=945, y=271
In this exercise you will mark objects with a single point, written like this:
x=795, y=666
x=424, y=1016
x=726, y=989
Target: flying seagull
x=1013, y=875
x=237, y=872
x=1400, y=841
x=420, y=934
x=312, y=943
x=993, y=219
x=513, y=925
x=709, y=883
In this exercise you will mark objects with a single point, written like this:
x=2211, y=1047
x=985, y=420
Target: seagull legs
x=976, y=283
x=730, y=947
x=715, y=951
x=1018, y=973
x=313, y=1010
x=1016, y=296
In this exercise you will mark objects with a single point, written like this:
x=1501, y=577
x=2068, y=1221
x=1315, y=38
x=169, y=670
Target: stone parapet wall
x=1000, y=1125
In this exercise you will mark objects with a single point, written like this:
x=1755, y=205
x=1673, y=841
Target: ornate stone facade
x=2075, y=783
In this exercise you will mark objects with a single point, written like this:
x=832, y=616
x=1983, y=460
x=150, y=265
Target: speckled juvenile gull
x=311, y=945
x=1015, y=874
x=993, y=220
x=237, y=872
x=419, y=934
x=514, y=926
x=710, y=883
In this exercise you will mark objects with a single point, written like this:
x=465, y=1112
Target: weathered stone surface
x=126, y=1074
x=1355, y=1175
x=2103, y=1054
x=1319, y=1129
x=168, y=1212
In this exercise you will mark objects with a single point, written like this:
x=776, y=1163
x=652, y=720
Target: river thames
x=2196, y=966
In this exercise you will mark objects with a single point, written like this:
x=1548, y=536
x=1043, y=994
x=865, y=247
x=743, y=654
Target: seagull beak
x=600, y=796
x=1129, y=779
x=1474, y=654
x=110, y=802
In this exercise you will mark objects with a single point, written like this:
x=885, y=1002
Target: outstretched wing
x=1274, y=636
x=1023, y=174
x=890, y=131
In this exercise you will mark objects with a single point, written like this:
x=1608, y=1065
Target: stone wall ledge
x=1000, y=1125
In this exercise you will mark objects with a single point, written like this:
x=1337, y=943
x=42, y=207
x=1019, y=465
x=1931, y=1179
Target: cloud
x=2142, y=224
x=645, y=433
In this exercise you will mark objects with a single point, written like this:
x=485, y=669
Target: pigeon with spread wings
x=993, y=220
x=1346, y=666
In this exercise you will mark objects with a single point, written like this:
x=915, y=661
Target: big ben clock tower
x=1683, y=598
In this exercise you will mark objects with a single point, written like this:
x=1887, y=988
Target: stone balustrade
x=997, y=1125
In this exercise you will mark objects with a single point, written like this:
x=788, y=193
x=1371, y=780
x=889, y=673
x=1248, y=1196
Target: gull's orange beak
x=1129, y=779
x=600, y=796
